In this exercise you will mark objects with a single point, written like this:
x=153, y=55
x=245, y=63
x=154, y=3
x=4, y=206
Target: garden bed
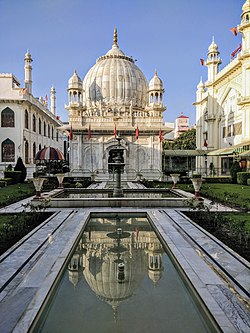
x=233, y=229
x=13, y=227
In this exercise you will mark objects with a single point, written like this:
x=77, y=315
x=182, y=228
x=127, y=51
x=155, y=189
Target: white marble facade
x=115, y=96
x=223, y=103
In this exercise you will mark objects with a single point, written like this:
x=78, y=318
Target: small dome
x=27, y=55
x=200, y=85
x=213, y=47
x=155, y=83
x=75, y=82
x=246, y=6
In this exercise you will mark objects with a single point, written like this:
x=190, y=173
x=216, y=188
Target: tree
x=21, y=167
x=186, y=141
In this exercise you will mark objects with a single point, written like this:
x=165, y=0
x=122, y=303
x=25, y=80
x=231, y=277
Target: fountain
x=116, y=165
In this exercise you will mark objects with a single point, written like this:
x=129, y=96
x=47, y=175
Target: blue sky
x=168, y=35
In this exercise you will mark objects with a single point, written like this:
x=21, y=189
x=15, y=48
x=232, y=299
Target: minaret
x=53, y=100
x=244, y=27
x=213, y=61
x=28, y=72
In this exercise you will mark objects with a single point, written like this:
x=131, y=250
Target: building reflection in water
x=114, y=255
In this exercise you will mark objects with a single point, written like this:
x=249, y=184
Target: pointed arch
x=8, y=151
x=7, y=118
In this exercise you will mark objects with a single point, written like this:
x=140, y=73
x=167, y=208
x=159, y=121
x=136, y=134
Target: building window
x=40, y=126
x=26, y=152
x=229, y=132
x=56, y=135
x=40, y=147
x=26, y=119
x=7, y=118
x=48, y=131
x=34, y=123
x=44, y=129
x=34, y=151
x=237, y=128
x=8, y=151
x=52, y=133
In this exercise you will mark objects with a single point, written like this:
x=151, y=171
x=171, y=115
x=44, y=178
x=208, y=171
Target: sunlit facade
x=223, y=104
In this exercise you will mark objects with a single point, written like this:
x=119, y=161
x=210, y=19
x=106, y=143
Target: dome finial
x=115, y=37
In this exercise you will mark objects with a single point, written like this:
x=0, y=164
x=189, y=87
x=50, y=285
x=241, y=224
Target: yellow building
x=223, y=105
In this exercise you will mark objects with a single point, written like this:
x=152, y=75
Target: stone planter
x=38, y=183
x=175, y=178
x=60, y=177
x=197, y=185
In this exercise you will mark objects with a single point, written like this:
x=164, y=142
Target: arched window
x=26, y=152
x=8, y=151
x=48, y=131
x=8, y=118
x=34, y=123
x=34, y=151
x=40, y=126
x=44, y=129
x=26, y=119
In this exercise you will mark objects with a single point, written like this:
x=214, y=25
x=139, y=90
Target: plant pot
x=60, y=177
x=197, y=185
x=38, y=183
x=175, y=178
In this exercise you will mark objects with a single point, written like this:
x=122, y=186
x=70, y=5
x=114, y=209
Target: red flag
x=137, y=133
x=71, y=134
x=115, y=131
x=160, y=135
x=137, y=232
x=202, y=62
x=233, y=54
x=234, y=31
x=89, y=133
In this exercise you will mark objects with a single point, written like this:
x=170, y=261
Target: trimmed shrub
x=242, y=177
x=2, y=183
x=224, y=180
x=248, y=182
x=235, y=168
x=7, y=180
x=14, y=175
x=21, y=167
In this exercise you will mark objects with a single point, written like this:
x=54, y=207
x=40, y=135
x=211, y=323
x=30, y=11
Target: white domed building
x=113, y=99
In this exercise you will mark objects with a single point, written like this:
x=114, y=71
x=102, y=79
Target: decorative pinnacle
x=115, y=37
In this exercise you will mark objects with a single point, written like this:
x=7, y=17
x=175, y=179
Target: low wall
x=118, y=202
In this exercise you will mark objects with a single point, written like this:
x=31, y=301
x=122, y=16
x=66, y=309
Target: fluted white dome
x=75, y=82
x=115, y=80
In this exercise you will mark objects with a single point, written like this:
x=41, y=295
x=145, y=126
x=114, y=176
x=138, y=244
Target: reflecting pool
x=120, y=279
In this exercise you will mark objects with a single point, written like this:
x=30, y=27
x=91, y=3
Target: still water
x=120, y=279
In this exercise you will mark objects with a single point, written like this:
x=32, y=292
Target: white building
x=116, y=97
x=223, y=104
x=27, y=125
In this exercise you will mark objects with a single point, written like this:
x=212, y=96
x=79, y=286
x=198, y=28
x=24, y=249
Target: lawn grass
x=232, y=195
x=14, y=193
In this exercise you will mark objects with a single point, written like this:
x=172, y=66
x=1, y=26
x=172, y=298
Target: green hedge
x=6, y=181
x=242, y=177
x=224, y=180
x=15, y=175
x=248, y=181
x=2, y=183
